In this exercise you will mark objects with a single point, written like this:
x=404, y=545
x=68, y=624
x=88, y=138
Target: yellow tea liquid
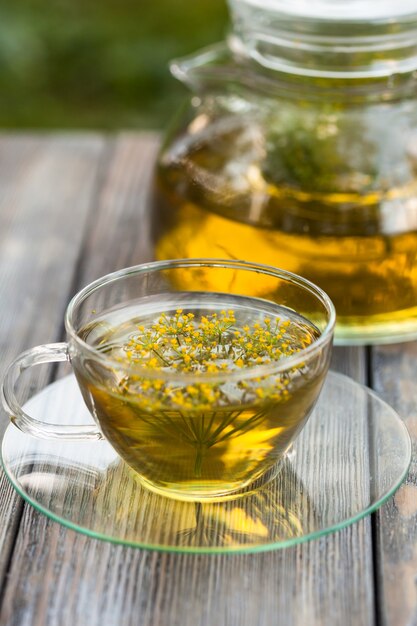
x=196, y=438
x=213, y=199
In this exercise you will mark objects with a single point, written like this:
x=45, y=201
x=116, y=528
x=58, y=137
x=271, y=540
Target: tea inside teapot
x=312, y=172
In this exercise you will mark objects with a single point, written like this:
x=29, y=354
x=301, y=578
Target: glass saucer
x=350, y=458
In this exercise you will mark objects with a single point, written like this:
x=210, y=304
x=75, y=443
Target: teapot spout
x=211, y=66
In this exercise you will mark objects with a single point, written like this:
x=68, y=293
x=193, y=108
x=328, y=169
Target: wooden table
x=72, y=208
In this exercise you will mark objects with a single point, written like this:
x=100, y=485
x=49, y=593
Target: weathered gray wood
x=44, y=205
x=46, y=188
x=395, y=379
x=59, y=577
x=119, y=230
x=96, y=583
x=351, y=362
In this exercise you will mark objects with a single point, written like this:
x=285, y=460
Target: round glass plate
x=350, y=458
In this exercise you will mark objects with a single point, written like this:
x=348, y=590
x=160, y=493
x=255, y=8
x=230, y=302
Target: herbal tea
x=220, y=193
x=184, y=409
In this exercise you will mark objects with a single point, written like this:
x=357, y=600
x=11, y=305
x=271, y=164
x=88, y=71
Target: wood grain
x=46, y=188
x=59, y=577
x=395, y=379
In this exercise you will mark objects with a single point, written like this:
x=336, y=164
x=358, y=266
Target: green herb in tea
x=193, y=410
x=307, y=189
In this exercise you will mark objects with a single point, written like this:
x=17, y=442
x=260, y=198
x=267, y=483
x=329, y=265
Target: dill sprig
x=180, y=343
x=204, y=412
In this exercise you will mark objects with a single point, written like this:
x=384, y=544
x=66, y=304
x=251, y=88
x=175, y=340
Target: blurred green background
x=98, y=63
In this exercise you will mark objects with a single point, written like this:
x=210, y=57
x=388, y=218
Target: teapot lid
x=337, y=9
x=327, y=38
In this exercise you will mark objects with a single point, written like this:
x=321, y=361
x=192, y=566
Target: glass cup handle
x=47, y=353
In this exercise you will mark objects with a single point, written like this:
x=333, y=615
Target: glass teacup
x=201, y=393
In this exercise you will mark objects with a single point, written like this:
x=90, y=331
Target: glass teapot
x=298, y=149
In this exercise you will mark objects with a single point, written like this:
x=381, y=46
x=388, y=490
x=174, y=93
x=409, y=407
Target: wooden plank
x=46, y=187
x=328, y=581
x=351, y=362
x=119, y=233
x=395, y=378
x=43, y=212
